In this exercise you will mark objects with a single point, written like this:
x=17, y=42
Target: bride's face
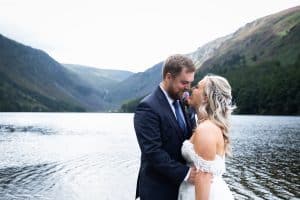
x=198, y=97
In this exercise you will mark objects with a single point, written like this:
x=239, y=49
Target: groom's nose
x=187, y=86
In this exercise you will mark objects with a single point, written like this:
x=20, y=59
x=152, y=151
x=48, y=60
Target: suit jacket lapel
x=166, y=106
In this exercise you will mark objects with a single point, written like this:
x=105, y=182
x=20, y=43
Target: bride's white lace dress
x=219, y=189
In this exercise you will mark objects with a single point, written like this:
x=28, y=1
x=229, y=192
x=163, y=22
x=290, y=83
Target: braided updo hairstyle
x=218, y=106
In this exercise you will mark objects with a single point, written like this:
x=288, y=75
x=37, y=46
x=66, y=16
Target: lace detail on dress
x=218, y=189
x=216, y=167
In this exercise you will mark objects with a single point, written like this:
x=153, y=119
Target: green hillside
x=99, y=77
x=135, y=86
x=33, y=81
x=15, y=98
x=262, y=63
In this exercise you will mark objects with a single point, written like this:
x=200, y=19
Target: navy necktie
x=180, y=120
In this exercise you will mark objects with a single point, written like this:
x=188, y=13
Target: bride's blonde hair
x=218, y=106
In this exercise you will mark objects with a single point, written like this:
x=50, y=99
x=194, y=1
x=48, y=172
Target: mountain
x=109, y=76
x=261, y=61
x=30, y=80
x=207, y=51
x=273, y=36
x=102, y=80
x=137, y=85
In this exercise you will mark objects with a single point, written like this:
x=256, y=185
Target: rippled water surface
x=89, y=156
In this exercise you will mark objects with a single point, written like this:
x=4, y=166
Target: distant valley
x=261, y=60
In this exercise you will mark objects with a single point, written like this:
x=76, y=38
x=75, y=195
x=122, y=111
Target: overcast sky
x=126, y=34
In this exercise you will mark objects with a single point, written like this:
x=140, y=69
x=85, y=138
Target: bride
x=209, y=144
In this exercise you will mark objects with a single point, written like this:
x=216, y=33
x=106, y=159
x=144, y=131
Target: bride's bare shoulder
x=205, y=140
x=206, y=126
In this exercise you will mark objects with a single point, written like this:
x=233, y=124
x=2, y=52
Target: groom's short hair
x=175, y=63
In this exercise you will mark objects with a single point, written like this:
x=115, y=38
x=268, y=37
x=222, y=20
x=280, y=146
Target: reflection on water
x=266, y=157
x=96, y=156
x=12, y=128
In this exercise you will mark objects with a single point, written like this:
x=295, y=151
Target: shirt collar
x=170, y=99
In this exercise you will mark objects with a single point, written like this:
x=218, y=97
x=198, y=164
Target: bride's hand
x=193, y=173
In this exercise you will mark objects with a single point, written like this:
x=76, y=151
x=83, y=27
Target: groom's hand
x=193, y=173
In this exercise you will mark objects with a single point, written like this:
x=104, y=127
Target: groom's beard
x=174, y=95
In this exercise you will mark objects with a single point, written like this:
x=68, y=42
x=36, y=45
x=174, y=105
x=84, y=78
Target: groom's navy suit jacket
x=160, y=139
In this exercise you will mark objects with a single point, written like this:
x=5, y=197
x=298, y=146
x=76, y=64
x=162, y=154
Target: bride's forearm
x=202, y=186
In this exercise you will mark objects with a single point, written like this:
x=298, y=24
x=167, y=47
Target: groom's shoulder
x=149, y=101
x=151, y=98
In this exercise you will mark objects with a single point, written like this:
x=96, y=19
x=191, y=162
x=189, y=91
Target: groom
x=161, y=125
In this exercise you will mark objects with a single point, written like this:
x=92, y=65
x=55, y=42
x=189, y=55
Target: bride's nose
x=192, y=89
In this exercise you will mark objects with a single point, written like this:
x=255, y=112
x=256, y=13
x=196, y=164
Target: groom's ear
x=168, y=76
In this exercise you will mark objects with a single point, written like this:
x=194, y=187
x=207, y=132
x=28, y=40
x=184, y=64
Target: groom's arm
x=147, y=128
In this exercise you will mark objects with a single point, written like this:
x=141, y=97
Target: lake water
x=89, y=156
